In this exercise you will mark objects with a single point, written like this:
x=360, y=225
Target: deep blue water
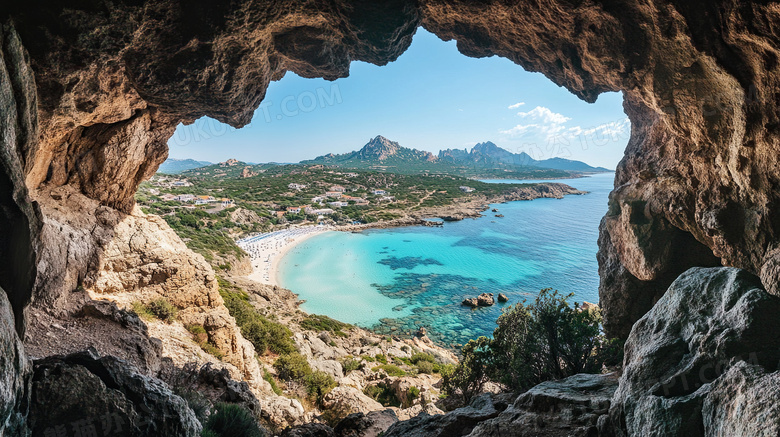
x=395, y=280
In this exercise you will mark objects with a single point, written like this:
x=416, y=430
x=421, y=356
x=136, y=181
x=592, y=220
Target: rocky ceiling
x=91, y=90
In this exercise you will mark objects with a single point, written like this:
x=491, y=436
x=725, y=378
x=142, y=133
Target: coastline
x=266, y=250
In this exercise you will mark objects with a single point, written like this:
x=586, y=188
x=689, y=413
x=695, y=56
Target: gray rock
x=365, y=425
x=15, y=370
x=743, y=402
x=309, y=430
x=82, y=393
x=569, y=407
x=459, y=422
x=682, y=357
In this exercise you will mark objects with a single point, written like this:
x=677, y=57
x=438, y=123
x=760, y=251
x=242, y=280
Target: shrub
x=350, y=364
x=231, y=420
x=292, y=366
x=198, y=332
x=412, y=394
x=265, y=335
x=162, y=309
x=381, y=358
x=425, y=367
x=416, y=358
x=274, y=386
x=390, y=369
x=318, y=384
x=318, y=323
x=547, y=339
x=382, y=394
x=141, y=311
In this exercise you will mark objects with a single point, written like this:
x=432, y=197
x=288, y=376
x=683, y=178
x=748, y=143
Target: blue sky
x=431, y=98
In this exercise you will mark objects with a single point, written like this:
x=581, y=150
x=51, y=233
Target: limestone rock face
x=682, y=373
x=88, y=394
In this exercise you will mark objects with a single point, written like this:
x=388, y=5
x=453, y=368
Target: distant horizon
x=351, y=151
x=432, y=98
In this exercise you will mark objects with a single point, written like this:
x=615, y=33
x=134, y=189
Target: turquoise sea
x=396, y=280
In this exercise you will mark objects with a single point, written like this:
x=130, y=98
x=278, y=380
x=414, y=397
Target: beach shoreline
x=267, y=250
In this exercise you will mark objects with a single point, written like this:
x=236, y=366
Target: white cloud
x=545, y=115
x=545, y=126
x=516, y=105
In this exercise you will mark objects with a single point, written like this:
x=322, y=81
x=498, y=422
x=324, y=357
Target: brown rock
x=470, y=302
x=485, y=300
x=502, y=298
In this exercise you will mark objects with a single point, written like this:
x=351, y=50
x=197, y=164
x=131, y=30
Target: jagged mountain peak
x=379, y=148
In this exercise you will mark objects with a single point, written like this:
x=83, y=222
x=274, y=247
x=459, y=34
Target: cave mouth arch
x=694, y=98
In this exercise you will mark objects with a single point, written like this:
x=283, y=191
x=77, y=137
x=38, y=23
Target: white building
x=379, y=192
x=466, y=189
x=296, y=186
x=338, y=204
x=324, y=211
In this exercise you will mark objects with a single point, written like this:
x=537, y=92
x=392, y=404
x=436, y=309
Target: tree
x=547, y=339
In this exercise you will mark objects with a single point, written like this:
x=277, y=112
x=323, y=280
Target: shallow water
x=395, y=280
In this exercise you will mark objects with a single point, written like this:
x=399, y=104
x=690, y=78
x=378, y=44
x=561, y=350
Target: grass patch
x=294, y=367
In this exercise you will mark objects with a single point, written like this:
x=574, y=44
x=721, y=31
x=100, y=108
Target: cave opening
x=444, y=105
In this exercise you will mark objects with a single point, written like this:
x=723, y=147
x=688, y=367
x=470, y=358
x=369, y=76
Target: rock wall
x=90, y=92
x=696, y=187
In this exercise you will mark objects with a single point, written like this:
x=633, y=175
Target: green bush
x=292, y=367
x=382, y=394
x=548, y=339
x=416, y=358
x=425, y=367
x=274, y=386
x=412, y=394
x=390, y=369
x=350, y=364
x=162, y=309
x=141, y=311
x=265, y=335
x=381, y=358
x=318, y=323
x=318, y=384
x=231, y=420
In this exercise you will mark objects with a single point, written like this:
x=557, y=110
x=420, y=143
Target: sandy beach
x=266, y=250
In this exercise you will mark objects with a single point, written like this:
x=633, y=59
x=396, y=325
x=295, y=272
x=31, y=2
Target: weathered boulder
x=502, y=298
x=743, y=402
x=459, y=422
x=470, y=302
x=373, y=424
x=309, y=430
x=349, y=400
x=84, y=394
x=682, y=356
x=569, y=407
x=485, y=300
